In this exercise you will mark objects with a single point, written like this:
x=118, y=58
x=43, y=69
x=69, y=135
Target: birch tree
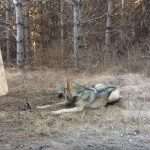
x=20, y=31
x=76, y=29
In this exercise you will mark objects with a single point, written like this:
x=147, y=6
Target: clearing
x=124, y=126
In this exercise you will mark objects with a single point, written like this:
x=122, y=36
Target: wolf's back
x=104, y=90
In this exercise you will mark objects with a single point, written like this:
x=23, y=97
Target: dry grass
x=36, y=86
x=110, y=126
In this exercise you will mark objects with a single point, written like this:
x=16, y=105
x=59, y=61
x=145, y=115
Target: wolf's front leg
x=61, y=111
x=51, y=106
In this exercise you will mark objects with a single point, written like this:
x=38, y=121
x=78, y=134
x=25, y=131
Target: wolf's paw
x=55, y=112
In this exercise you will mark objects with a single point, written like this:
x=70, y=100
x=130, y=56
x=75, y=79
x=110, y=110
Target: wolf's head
x=70, y=90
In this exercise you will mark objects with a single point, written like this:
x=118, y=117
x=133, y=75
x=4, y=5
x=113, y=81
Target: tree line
x=74, y=32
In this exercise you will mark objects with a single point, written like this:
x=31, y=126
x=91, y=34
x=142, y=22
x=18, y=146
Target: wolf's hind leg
x=114, y=96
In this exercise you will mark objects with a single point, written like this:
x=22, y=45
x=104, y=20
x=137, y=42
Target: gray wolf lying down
x=79, y=97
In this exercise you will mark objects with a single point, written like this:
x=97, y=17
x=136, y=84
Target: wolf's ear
x=68, y=85
x=68, y=88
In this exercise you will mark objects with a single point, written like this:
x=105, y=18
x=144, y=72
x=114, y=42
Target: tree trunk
x=107, y=55
x=122, y=20
x=20, y=32
x=109, y=24
x=8, y=32
x=62, y=31
x=76, y=30
x=27, y=47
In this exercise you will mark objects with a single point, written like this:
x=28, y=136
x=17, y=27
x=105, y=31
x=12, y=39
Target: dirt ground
x=124, y=126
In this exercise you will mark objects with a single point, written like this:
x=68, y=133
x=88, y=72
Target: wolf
x=78, y=97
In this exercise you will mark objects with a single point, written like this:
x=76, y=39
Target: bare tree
x=62, y=29
x=122, y=19
x=20, y=32
x=7, y=15
x=27, y=45
x=107, y=55
x=76, y=29
x=109, y=24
